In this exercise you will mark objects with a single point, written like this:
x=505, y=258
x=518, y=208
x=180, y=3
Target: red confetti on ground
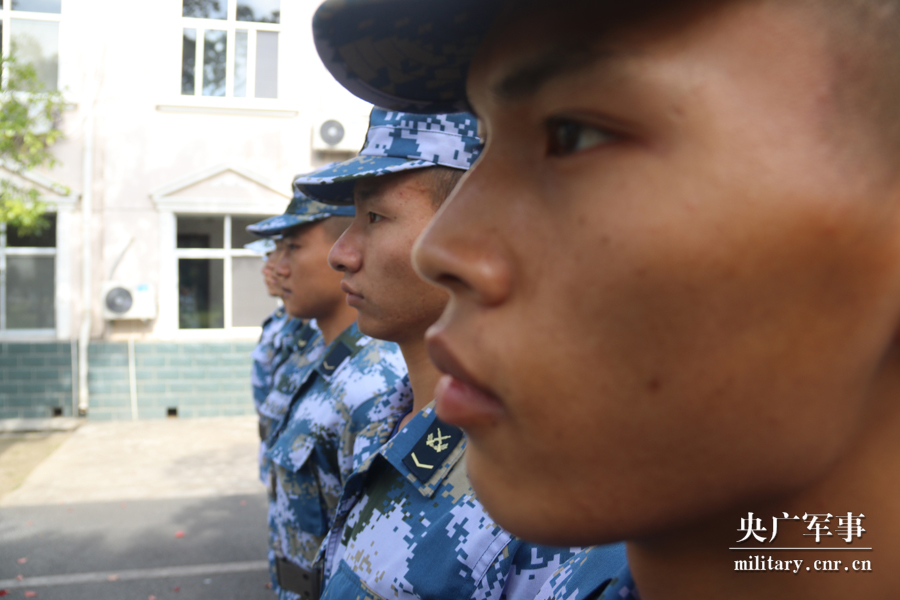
x=29, y=523
x=70, y=510
x=30, y=594
x=22, y=560
x=268, y=585
x=243, y=503
x=177, y=588
x=19, y=577
x=3, y=592
x=112, y=578
x=151, y=597
x=124, y=504
x=179, y=534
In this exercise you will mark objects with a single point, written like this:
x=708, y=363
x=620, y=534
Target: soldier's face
x=310, y=288
x=670, y=286
x=374, y=254
x=273, y=281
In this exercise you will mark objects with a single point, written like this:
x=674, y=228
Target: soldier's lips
x=460, y=399
x=353, y=297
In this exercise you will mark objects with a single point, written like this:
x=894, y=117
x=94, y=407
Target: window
x=230, y=48
x=220, y=284
x=27, y=275
x=31, y=29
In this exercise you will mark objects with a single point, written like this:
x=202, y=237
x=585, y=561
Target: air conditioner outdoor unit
x=129, y=301
x=342, y=133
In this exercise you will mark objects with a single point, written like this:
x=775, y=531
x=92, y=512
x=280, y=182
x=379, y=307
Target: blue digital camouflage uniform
x=309, y=464
x=295, y=359
x=268, y=355
x=264, y=355
x=579, y=579
x=408, y=523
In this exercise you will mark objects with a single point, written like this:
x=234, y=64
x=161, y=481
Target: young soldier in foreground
x=408, y=524
x=698, y=202
x=332, y=370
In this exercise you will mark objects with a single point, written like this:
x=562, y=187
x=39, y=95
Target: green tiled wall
x=35, y=378
x=200, y=380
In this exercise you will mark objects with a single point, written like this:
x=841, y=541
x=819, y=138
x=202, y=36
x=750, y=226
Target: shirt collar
x=425, y=450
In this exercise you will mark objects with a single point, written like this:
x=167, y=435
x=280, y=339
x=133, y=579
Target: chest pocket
x=304, y=495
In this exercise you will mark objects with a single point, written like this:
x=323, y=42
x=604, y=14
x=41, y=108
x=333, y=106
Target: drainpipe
x=87, y=197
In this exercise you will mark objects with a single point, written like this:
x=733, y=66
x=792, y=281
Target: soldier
x=408, y=524
x=270, y=351
x=674, y=274
x=331, y=371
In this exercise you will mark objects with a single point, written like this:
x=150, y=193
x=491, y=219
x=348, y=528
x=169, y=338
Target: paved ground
x=171, y=509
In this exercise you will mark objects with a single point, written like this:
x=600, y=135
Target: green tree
x=29, y=119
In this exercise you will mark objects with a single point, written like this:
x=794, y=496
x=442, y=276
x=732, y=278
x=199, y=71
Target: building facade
x=186, y=121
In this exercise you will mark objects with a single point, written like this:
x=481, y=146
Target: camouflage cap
x=261, y=247
x=300, y=211
x=409, y=55
x=395, y=142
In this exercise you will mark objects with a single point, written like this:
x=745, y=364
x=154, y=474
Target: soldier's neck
x=695, y=561
x=423, y=375
x=334, y=323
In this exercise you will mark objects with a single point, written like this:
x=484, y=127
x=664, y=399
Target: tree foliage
x=29, y=118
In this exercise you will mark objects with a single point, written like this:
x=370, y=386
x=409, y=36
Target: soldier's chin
x=535, y=508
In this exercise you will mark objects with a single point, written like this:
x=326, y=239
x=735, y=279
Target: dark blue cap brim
x=281, y=223
x=334, y=184
x=407, y=55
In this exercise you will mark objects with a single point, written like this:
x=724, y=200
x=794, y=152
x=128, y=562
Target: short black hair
x=441, y=182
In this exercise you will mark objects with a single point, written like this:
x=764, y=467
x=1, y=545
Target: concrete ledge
x=27, y=425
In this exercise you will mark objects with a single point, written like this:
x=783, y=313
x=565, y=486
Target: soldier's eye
x=565, y=136
x=374, y=217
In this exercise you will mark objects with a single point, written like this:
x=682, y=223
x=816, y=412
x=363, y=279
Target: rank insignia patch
x=307, y=334
x=432, y=449
x=334, y=359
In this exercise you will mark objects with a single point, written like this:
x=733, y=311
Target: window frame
x=28, y=251
x=227, y=254
x=230, y=25
x=7, y=14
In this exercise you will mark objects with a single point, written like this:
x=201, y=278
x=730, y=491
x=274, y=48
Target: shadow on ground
x=110, y=536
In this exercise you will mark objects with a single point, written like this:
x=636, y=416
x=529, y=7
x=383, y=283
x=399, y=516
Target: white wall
x=123, y=61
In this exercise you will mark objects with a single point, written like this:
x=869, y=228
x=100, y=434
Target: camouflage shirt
x=295, y=358
x=264, y=355
x=595, y=573
x=308, y=464
x=408, y=524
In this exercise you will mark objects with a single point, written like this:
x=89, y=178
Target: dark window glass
x=46, y=238
x=29, y=292
x=259, y=11
x=201, y=293
x=201, y=232
x=188, y=62
x=205, y=9
x=214, y=65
